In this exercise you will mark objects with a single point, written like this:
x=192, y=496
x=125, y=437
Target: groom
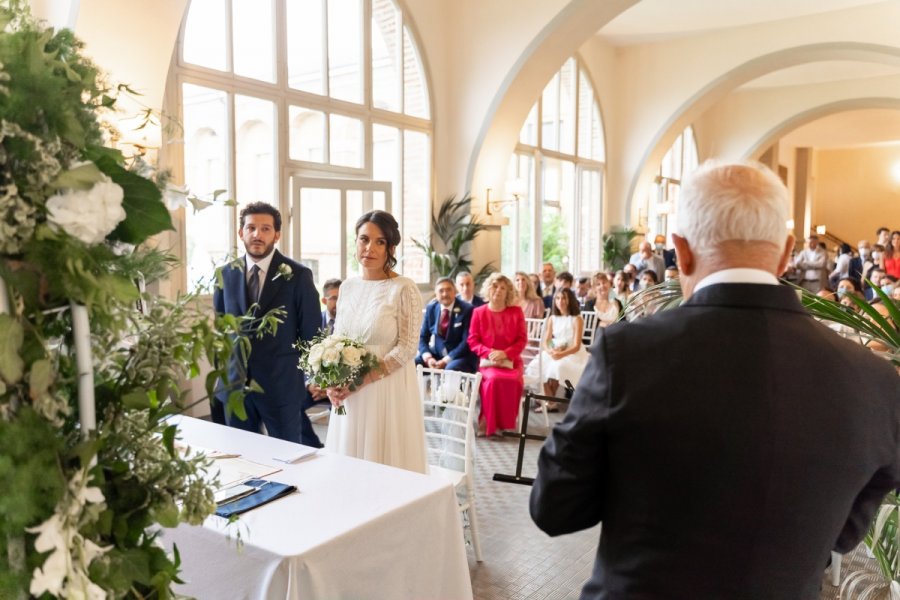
x=265, y=279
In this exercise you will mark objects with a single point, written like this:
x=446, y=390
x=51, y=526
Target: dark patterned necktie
x=253, y=285
x=445, y=322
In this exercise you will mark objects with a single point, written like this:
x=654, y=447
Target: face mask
x=887, y=288
x=660, y=247
x=841, y=292
x=642, y=285
x=876, y=255
x=864, y=253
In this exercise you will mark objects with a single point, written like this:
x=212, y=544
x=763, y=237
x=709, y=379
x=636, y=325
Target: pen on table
x=225, y=456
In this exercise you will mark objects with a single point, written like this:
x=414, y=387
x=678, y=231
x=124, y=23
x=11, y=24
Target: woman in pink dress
x=497, y=335
x=532, y=304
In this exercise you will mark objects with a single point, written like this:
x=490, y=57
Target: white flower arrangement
x=284, y=270
x=88, y=215
x=335, y=361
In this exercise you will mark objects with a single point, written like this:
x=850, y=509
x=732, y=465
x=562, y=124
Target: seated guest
x=645, y=259
x=841, y=265
x=648, y=278
x=536, y=282
x=607, y=309
x=631, y=274
x=564, y=357
x=791, y=469
x=875, y=276
x=621, y=287
x=890, y=261
x=498, y=336
x=330, y=292
x=564, y=279
x=444, y=337
x=671, y=273
x=465, y=287
x=583, y=291
x=668, y=256
x=532, y=305
x=547, y=289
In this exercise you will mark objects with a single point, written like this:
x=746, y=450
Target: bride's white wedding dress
x=384, y=421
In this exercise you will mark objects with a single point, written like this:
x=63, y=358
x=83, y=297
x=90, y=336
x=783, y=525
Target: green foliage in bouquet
x=80, y=512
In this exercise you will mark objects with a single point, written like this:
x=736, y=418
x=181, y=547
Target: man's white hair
x=722, y=202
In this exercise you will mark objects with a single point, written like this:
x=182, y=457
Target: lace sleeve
x=409, y=322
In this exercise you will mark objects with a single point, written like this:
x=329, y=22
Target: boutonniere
x=284, y=270
x=456, y=310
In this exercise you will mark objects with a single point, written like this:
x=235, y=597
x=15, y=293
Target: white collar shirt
x=757, y=276
x=263, y=264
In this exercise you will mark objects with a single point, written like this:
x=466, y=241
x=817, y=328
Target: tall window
x=275, y=92
x=558, y=166
x=662, y=200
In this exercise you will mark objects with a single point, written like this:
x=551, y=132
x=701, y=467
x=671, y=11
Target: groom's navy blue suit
x=455, y=344
x=273, y=359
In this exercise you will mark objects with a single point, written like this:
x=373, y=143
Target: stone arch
x=719, y=87
x=558, y=40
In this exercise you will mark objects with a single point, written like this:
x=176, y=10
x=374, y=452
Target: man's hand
x=316, y=392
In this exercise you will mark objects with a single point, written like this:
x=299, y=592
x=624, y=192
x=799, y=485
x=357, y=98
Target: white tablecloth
x=355, y=530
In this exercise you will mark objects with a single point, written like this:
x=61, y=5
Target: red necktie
x=445, y=322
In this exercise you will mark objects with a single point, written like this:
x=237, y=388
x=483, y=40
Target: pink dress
x=501, y=389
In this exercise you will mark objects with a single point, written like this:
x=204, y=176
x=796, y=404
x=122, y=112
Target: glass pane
x=345, y=50
x=304, y=45
x=254, y=39
x=204, y=34
x=415, y=202
x=558, y=199
x=254, y=127
x=307, y=134
x=691, y=160
x=415, y=92
x=528, y=133
x=567, y=107
x=589, y=145
x=386, y=155
x=346, y=141
x=589, y=238
x=320, y=232
x=550, y=115
x=385, y=55
x=205, y=171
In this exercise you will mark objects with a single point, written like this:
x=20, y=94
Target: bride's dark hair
x=386, y=222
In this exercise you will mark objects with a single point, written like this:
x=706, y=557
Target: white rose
x=331, y=356
x=315, y=364
x=315, y=353
x=88, y=215
x=352, y=356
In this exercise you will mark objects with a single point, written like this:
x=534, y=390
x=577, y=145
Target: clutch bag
x=500, y=364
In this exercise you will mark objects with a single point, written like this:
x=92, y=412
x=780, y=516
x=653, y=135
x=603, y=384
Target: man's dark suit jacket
x=273, y=359
x=760, y=443
x=456, y=344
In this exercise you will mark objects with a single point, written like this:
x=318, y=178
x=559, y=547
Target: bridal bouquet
x=335, y=361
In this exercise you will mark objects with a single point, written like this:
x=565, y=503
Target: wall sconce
x=516, y=187
x=820, y=230
x=790, y=224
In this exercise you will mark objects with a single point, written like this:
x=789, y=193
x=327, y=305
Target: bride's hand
x=337, y=395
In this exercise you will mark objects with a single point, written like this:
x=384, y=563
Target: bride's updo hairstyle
x=386, y=222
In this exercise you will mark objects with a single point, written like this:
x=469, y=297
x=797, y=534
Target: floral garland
x=81, y=512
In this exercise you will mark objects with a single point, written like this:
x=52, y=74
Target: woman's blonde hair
x=496, y=279
x=530, y=292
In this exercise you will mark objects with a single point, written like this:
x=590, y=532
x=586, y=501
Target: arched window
x=557, y=172
x=662, y=200
x=320, y=107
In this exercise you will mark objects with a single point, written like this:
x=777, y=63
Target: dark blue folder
x=266, y=491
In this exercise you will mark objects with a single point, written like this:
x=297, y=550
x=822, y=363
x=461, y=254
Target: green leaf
x=82, y=177
x=169, y=438
x=198, y=204
x=11, y=337
x=235, y=405
x=146, y=214
x=136, y=400
x=40, y=377
x=167, y=514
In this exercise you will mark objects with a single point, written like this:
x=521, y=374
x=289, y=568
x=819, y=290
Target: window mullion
x=232, y=172
x=326, y=74
x=229, y=37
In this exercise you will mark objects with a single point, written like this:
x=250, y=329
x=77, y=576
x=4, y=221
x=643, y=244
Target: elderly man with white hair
x=773, y=446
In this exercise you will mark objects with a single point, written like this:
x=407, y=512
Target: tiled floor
x=520, y=561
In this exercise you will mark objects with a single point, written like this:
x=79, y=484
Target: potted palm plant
x=455, y=228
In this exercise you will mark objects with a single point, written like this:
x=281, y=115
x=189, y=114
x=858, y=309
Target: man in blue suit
x=330, y=292
x=443, y=340
x=264, y=280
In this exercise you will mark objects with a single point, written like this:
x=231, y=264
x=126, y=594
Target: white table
x=356, y=529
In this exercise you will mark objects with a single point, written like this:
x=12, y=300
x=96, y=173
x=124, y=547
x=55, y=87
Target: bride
x=384, y=420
